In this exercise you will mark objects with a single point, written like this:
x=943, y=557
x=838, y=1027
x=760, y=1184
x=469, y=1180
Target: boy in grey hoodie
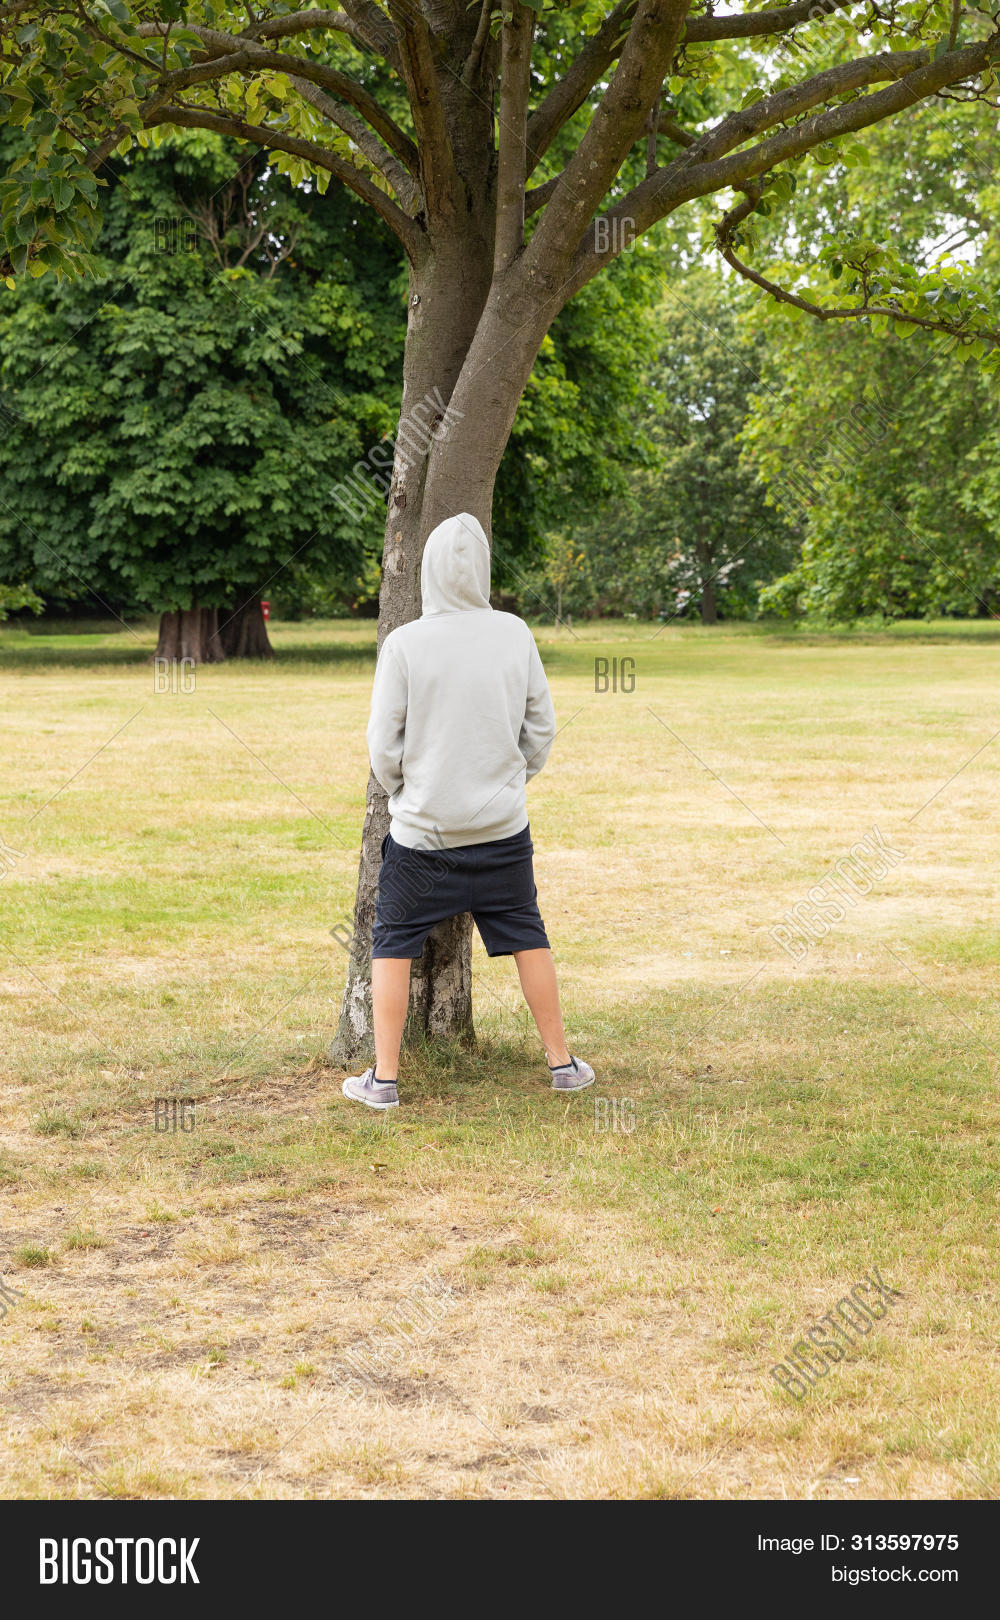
x=461, y=719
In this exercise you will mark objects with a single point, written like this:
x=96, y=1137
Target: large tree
x=514, y=152
x=179, y=416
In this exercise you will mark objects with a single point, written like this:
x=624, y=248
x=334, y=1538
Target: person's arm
x=539, y=727
x=387, y=725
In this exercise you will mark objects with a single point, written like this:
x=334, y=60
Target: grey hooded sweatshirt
x=461, y=714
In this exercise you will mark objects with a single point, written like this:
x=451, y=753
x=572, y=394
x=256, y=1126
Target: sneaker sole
x=368, y=1104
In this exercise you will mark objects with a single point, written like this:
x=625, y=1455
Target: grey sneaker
x=571, y=1076
x=364, y=1088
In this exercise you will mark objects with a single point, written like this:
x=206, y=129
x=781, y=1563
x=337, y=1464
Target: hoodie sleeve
x=387, y=725
x=539, y=727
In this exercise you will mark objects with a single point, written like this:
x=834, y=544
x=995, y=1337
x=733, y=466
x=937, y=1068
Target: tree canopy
x=177, y=417
x=623, y=113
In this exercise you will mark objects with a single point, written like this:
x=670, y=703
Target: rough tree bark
x=191, y=633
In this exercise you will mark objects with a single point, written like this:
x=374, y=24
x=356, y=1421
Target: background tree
x=901, y=522
x=509, y=190
x=885, y=457
x=697, y=529
x=564, y=566
x=182, y=413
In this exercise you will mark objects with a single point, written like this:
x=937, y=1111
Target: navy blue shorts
x=495, y=881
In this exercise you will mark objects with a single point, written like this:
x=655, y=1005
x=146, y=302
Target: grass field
x=611, y=1277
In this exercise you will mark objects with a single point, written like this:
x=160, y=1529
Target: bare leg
x=390, y=1000
x=537, y=972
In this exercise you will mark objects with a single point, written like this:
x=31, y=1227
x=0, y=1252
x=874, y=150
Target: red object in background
x=265, y=608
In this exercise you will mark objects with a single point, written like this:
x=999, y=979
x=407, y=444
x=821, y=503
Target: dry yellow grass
x=617, y=1297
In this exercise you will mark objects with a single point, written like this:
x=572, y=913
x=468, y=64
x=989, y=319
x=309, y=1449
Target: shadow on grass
x=866, y=635
x=301, y=654
x=588, y=633
x=21, y=655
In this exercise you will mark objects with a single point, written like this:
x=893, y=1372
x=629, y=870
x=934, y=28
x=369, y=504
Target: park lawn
x=613, y=1275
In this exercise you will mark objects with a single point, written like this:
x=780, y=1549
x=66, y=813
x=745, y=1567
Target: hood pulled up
x=455, y=570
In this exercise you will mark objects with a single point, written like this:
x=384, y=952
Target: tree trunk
x=473, y=345
x=193, y=634
x=446, y=302
x=243, y=630
x=709, y=604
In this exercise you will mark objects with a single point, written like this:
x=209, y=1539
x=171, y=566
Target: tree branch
x=652, y=130
x=739, y=126
x=617, y=123
x=405, y=228
x=575, y=86
x=752, y=24
x=439, y=176
x=538, y=196
x=601, y=50
x=912, y=87
x=227, y=53
x=851, y=313
x=363, y=23
x=482, y=34
x=667, y=125
x=515, y=72
x=685, y=178
x=367, y=143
